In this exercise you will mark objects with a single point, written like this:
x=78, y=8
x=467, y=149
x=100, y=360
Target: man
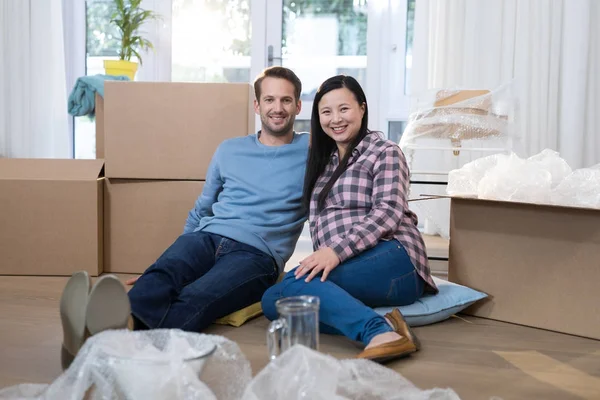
x=244, y=225
x=237, y=238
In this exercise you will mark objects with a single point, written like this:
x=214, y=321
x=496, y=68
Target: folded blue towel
x=82, y=99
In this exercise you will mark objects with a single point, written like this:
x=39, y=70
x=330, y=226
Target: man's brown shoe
x=400, y=348
x=402, y=328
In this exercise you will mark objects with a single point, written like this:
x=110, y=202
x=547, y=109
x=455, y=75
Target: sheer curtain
x=33, y=94
x=550, y=47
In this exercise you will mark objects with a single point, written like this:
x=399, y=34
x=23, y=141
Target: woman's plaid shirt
x=368, y=204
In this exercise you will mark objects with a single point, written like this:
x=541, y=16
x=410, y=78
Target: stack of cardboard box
x=118, y=214
x=159, y=139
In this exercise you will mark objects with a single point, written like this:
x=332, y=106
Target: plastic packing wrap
x=459, y=114
x=464, y=181
x=581, y=188
x=299, y=373
x=302, y=373
x=516, y=179
x=544, y=178
x=121, y=364
x=551, y=161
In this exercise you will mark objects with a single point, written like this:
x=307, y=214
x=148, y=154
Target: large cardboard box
x=51, y=216
x=164, y=130
x=142, y=219
x=539, y=264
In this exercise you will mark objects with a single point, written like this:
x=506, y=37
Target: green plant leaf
x=138, y=56
x=128, y=17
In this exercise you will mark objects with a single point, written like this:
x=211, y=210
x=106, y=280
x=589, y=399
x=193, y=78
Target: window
x=410, y=33
x=395, y=130
x=227, y=41
x=211, y=41
x=302, y=125
x=101, y=44
x=322, y=38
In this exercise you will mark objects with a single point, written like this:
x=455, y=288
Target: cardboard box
x=164, y=130
x=142, y=219
x=99, y=111
x=538, y=263
x=444, y=98
x=51, y=216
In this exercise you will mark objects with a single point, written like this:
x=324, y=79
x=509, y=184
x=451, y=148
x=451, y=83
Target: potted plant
x=128, y=18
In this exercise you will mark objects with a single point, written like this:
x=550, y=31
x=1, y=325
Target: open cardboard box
x=539, y=264
x=51, y=219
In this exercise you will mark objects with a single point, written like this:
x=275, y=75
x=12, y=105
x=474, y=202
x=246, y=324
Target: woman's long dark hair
x=322, y=146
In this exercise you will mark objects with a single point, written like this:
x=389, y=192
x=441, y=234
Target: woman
x=368, y=250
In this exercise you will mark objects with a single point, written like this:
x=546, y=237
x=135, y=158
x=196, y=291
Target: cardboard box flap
x=443, y=99
x=522, y=203
x=51, y=169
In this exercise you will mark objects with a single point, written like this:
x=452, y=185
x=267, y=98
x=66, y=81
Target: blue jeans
x=381, y=276
x=200, y=278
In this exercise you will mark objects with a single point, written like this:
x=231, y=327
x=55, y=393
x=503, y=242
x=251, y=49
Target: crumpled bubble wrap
x=302, y=373
x=544, y=178
x=551, y=161
x=464, y=181
x=121, y=364
x=579, y=189
x=516, y=179
x=299, y=373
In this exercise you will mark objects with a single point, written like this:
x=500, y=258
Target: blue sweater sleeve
x=210, y=192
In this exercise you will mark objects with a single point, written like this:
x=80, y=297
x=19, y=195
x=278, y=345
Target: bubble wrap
x=551, y=161
x=581, y=188
x=465, y=181
x=544, y=178
x=299, y=373
x=302, y=373
x=449, y=114
x=516, y=179
x=121, y=364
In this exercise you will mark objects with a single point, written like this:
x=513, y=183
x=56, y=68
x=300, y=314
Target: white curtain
x=33, y=89
x=550, y=47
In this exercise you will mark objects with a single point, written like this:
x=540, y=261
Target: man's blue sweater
x=253, y=195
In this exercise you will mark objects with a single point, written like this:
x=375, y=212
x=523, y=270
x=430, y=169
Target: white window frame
x=390, y=55
x=74, y=25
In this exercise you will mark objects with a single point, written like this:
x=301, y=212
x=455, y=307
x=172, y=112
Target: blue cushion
x=451, y=299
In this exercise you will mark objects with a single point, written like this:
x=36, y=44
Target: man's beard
x=284, y=130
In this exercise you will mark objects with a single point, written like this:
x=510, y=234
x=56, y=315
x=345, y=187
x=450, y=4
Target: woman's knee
x=268, y=302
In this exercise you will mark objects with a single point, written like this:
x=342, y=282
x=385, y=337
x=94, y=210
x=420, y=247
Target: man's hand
x=323, y=259
x=132, y=281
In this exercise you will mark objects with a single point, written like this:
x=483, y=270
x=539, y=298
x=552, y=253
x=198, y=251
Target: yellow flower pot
x=120, y=67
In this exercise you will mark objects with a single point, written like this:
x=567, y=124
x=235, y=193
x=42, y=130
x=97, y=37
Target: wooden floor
x=478, y=358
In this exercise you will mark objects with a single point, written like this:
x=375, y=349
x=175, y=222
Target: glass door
x=211, y=40
x=233, y=40
x=318, y=39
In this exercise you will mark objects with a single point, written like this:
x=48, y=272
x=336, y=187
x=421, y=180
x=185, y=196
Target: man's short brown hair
x=282, y=73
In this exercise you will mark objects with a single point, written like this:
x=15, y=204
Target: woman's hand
x=324, y=259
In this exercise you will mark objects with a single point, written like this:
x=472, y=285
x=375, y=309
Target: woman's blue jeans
x=381, y=276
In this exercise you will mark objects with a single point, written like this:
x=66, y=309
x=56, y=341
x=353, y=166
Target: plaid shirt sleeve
x=390, y=181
